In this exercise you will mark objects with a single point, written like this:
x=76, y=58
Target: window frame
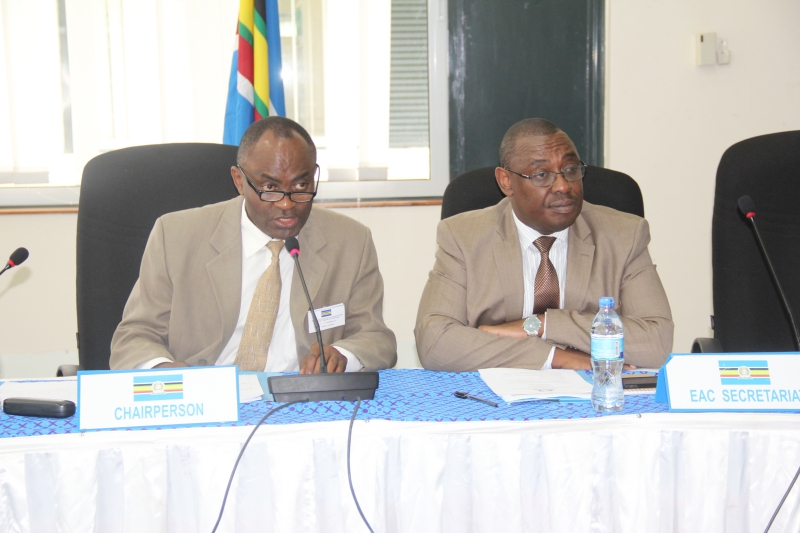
x=18, y=196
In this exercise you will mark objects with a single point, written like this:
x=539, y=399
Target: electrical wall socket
x=723, y=53
x=706, y=49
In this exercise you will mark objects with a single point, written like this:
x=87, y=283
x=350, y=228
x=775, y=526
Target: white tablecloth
x=651, y=473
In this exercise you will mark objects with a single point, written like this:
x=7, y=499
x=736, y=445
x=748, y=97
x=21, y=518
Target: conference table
x=422, y=461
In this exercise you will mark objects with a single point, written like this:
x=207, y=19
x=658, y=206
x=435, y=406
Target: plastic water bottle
x=608, y=341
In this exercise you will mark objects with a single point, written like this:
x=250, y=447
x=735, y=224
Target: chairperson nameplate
x=730, y=382
x=164, y=398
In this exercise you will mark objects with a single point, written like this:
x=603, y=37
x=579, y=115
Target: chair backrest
x=748, y=315
x=122, y=194
x=478, y=188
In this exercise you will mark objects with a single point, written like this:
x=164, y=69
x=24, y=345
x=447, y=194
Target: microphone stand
x=747, y=207
x=346, y=386
x=323, y=365
x=752, y=217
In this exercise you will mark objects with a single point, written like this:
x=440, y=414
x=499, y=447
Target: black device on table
x=346, y=386
x=37, y=407
x=639, y=381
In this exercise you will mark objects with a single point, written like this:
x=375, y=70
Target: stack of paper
x=521, y=385
x=249, y=388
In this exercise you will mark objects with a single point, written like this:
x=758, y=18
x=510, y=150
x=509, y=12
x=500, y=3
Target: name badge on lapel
x=328, y=317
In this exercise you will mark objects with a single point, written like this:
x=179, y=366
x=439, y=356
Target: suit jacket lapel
x=508, y=260
x=580, y=256
x=225, y=270
x=311, y=240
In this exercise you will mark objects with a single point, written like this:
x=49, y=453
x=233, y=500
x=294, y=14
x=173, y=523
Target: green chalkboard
x=515, y=59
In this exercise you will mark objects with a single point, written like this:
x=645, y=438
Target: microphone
x=345, y=386
x=748, y=208
x=17, y=258
x=293, y=247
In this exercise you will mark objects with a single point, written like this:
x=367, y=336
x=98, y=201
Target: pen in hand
x=466, y=396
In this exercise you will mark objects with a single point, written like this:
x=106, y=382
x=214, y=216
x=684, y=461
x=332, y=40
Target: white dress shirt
x=256, y=258
x=531, y=258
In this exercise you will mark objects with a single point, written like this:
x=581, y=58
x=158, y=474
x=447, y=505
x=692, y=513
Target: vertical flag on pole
x=255, y=89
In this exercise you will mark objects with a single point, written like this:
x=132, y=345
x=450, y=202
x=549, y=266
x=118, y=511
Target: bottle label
x=607, y=347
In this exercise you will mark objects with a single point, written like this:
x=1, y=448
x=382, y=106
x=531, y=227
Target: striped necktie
x=546, y=294
x=260, y=323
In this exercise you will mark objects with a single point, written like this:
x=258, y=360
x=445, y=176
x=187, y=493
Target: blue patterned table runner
x=408, y=395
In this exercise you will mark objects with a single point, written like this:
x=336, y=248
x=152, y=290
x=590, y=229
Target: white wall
x=669, y=121
x=405, y=239
x=38, y=319
x=37, y=298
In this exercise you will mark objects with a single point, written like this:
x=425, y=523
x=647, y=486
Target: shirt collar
x=253, y=239
x=527, y=234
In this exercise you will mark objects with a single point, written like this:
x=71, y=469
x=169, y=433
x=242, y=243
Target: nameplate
x=170, y=397
x=328, y=317
x=730, y=382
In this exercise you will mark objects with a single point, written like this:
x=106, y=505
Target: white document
x=519, y=384
x=61, y=389
x=249, y=388
x=328, y=317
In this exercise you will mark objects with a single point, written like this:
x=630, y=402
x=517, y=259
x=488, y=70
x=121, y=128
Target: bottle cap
x=606, y=301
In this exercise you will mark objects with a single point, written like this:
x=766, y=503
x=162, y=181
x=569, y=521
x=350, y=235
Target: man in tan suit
x=518, y=284
x=210, y=275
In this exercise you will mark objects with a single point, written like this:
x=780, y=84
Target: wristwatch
x=532, y=325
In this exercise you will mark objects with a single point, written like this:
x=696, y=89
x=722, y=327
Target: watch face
x=532, y=325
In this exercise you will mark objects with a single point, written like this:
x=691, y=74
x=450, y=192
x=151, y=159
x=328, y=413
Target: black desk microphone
x=748, y=208
x=323, y=386
x=293, y=247
x=17, y=258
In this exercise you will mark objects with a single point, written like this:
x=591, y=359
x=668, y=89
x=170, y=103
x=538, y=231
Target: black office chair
x=122, y=194
x=478, y=188
x=748, y=315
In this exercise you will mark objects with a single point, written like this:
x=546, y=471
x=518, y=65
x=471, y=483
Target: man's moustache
x=563, y=197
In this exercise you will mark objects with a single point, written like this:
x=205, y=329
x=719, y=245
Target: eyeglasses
x=298, y=197
x=546, y=179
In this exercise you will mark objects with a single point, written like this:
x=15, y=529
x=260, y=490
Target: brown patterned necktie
x=260, y=323
x=546, y=294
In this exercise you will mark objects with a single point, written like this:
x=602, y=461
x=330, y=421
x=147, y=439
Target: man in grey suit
x=518, y=284
x=216, y=282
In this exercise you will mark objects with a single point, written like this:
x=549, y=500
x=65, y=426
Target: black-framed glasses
x=546, y=179
x=298, y=197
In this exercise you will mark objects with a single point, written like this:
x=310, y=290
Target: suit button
x=202, y=362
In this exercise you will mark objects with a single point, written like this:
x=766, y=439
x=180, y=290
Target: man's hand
x=173, y=364
x=571, y=359
x=335, y=360
x=576, y=360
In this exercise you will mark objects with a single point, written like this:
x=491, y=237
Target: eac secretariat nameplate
x=731, y=382
x=169, y=397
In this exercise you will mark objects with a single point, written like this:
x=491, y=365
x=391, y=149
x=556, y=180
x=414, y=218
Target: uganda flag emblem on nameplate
x=744, y=372
x=158, y=388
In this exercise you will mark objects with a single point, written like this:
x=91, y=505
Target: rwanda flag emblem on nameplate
x=744, y=372
x=158, y=388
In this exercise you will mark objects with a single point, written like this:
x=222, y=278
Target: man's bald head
x=530, y=127
x=280, y=127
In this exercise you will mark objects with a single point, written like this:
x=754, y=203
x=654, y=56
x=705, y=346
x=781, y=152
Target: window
x=367, y=78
